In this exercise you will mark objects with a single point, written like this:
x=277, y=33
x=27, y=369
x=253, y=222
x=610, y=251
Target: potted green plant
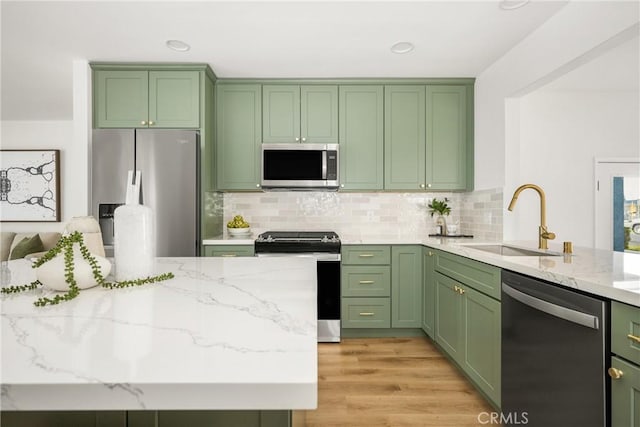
x=441, y=208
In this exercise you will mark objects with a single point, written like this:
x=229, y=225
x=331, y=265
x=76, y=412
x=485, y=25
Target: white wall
x=561, y=132
x=577, y=32
x=72, y=138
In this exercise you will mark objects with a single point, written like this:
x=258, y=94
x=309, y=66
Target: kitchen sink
x=507, y=250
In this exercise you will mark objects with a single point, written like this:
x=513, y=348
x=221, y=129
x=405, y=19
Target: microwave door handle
x=324, y=164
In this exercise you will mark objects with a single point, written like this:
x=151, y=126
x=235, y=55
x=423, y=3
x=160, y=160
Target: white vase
x=133, y=242
x=52, y=275
x=133, y=235
x=91, y=233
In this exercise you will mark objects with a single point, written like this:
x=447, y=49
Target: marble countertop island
x=223, y=334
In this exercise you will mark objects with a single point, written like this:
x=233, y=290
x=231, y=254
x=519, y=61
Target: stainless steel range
x=324, y=246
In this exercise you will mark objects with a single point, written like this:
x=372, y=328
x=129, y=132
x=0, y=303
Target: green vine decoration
x=65, y=245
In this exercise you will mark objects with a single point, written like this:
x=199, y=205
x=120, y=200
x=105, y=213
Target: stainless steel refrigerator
x=169, y=164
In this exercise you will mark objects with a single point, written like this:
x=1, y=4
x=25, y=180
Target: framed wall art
x=29, y=185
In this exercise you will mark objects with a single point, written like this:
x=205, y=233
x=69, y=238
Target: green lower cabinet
x=625, y=394
x=366, y=313
x=228, y=250
x=366, y=281
x=468, y=329
x=244, y=418
x=482, y=341
x=448, y=316
x=428, y=292
x=406, y=286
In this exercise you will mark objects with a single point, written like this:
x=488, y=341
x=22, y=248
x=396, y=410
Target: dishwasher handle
x=568, y=314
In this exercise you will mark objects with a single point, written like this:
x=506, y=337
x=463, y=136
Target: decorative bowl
x=239, y=231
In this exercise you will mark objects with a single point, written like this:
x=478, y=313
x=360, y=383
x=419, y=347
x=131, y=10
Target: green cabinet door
x=406, y=286
x=448, y=316
x=280, y=113
x=319, y=114
x=404, y=147
x=625, y=394
x=361, y=137
x=121, y=99
x=238, y=136
x=174, y=99
x=292, y=113
x=481, y=337
x=446, y=138
x=428, y=291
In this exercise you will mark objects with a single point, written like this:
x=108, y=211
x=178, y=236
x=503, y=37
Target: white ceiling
x=261, y=39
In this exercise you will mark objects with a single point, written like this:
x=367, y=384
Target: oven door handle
x=317, y=256
x=568, y=314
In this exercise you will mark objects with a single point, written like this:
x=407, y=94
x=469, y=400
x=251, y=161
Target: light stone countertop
x=223, y=334
x=609, y=274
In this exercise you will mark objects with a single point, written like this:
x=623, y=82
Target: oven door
x=328, y=274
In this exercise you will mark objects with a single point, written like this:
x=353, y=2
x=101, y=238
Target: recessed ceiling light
x=512, y=4
x=402, y=47
x=178, y=45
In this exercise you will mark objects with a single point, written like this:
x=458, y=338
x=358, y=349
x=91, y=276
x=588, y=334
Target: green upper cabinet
x=361, y=137
x=446, y=161
x=428, y=137
x=404, y=132
x=406, y=286
x=141, y=99
x=293, y=113
x=121, y=98
x=239, y=127
x=174, y=99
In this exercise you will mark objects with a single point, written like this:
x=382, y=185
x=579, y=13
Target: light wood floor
x=391, y=382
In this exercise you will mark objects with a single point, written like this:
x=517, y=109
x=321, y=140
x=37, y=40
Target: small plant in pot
x=441, y=208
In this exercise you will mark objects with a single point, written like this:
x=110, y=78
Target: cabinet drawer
x=625, y=394
x=366, y=255
x=366, y=313
x=229, y=250
x=625, y=331
x=482, y=277
x=366, y=281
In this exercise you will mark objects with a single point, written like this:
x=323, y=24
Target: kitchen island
x=224, y=334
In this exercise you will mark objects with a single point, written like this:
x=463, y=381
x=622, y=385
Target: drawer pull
x=365, y=255
x=634, y=338
x=614, y=373
x=228, y=255
x=367, y=313
x=366, y=282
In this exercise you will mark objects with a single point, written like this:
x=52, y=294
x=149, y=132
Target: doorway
x=617, y=205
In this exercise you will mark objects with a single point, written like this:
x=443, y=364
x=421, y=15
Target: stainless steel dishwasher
x=554, y=346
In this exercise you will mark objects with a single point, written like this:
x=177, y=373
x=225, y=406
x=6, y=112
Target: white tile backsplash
x=392, y=215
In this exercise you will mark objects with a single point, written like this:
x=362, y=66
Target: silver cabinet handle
x=574, y=316
x=421, y=185
x=304, y=139
x=366, y=282
x=151, y=123
x=365, y=255
x=143, y=122
x=228, y=255
x=428, y=185
x=297, y=139
x=366, y=313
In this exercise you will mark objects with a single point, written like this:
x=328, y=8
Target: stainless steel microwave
x=300, y=166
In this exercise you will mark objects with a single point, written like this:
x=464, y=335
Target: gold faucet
x=543, y=233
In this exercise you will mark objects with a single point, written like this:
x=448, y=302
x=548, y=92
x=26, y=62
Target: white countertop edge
x=106, y=397
x=230, y=240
